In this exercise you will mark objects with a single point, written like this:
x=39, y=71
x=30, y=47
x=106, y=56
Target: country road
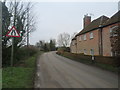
x=54, y=71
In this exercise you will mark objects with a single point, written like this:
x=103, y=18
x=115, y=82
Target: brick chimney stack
x=87, y=20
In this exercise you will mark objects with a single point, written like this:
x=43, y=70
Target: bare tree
x=63, y=39
x=15, y=14
x=20, y=12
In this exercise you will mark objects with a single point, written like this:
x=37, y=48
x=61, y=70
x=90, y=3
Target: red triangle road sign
x=13, y=32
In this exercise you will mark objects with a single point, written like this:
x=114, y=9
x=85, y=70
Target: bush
x=99, y=59
x=63, y=49
x=19, y=54
x=24, y=53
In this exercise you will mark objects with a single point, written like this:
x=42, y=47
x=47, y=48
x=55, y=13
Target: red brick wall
x=94, y=43
x=73, y=47
x=88, y=43
x=106, y=40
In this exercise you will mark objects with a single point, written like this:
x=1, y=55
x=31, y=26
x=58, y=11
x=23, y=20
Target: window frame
x=112, y=33
x=84, y=37
x=92, y=51
x=85, y=51
x=91, y=35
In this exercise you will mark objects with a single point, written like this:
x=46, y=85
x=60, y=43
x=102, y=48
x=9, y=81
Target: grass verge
x=89, y=62
x=21, y=76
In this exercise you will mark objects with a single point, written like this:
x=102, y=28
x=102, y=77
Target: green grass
x=21, y=76
x=0, y=79
x=107, y=67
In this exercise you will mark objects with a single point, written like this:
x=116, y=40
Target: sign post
x=12, y=33
x=12, y=51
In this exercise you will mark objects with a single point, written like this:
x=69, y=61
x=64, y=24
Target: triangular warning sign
x=13, y=32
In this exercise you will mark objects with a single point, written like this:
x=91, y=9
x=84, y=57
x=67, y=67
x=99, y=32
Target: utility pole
x=12, y=50
x=28, y=26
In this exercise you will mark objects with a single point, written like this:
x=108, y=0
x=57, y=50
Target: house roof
x=74, y=38
x=94, y=24
x=114, y=19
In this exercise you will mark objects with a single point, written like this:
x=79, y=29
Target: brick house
x=96, y=36
x=73, y=45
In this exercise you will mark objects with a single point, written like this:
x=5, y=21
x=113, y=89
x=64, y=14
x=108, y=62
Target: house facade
x=73, y=46
x=95, y=38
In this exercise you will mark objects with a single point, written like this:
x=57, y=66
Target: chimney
x=87, y=20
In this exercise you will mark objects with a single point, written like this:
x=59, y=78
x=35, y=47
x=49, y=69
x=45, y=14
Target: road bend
x=54, y=71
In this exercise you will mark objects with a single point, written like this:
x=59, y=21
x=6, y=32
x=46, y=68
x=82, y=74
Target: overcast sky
x=54, y=18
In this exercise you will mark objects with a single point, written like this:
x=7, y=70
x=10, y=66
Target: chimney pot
x=87, y=20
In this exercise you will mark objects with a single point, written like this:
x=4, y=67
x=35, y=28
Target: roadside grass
x=0, y=78
x=89, y=62
x=21, y=76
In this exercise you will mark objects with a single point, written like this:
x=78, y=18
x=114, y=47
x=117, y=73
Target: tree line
x=46, y=46
x=62, y=42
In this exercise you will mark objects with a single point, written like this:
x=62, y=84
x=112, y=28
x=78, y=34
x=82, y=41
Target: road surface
x=54, y=71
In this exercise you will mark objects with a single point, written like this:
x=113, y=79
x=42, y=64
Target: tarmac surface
x=54, y=71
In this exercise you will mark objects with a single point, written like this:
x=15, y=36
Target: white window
x=91, y=51
x=85, y=51
x=80, y=39
x=91, y=35
x=111, y=53
x=113, y=31
x=84, y=37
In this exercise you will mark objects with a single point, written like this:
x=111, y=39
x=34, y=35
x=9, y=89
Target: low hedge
x=99, y=59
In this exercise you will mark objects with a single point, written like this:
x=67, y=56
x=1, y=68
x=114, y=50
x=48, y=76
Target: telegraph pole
x=28, y=26
x=12, y=50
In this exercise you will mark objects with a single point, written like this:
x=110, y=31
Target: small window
x=91, y=51
x=113, y=31
x=91, y=35
x=111, y=53
x=85, y=51
x=84, y=37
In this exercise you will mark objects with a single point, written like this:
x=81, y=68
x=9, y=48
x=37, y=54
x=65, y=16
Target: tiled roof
x=94, y=24
x=74, y=38
x=114, y=19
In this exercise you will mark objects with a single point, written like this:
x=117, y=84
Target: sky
x=53, y=18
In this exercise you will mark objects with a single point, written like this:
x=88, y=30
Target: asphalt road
x=54, y=71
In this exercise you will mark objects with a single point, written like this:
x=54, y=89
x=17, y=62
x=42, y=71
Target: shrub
x=99, y=59
x=19, y=54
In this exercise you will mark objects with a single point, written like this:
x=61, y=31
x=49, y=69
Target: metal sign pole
x=12, y=51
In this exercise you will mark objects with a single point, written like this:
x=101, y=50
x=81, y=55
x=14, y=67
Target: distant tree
x=40, y=44
x=63, y=40
x=46, y=47
x=52, y=46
